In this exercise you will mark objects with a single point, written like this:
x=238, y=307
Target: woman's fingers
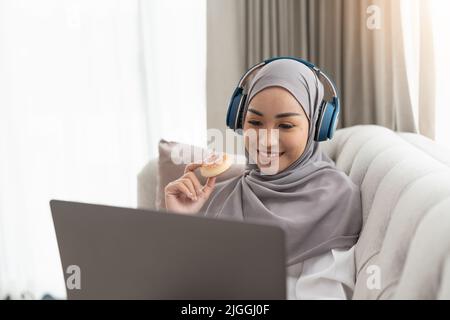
x=197, y=185
x=192, y=166
x=189, y=173
x=209, y=185
x=177, y=187
x=190, y=185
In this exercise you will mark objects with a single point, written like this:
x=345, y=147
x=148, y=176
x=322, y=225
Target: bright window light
x=441, y=28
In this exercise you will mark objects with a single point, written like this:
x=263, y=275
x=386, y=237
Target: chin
x=270, y=170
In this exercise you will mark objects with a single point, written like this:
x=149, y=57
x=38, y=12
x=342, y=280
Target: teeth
x=270, y=155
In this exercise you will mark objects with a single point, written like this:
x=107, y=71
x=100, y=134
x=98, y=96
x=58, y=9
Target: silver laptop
x=122, y=253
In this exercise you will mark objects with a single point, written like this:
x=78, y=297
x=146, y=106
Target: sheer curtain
x=87, y=89
x=441, y=28
x=428, y=64
x=174, y=33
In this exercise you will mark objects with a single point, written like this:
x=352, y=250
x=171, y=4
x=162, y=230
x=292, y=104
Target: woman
x=289, y=182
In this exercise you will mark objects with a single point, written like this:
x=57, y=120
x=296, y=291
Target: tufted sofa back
x=404, y=178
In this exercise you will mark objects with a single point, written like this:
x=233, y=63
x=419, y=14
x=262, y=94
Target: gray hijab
x=317, y=205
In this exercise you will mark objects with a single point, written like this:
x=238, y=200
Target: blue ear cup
x=240, y=115
x=235, y=110
x=327, y=120
x=335, y=119
x=324, y=121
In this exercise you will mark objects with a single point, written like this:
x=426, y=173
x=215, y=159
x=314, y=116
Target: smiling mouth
x=270, y=155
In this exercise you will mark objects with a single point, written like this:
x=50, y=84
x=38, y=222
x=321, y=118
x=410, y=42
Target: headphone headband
x=330, y=83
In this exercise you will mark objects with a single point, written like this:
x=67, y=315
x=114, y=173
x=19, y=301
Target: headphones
x=328, y=110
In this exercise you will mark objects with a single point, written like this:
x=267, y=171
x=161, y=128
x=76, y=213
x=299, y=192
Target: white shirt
x=328, y=276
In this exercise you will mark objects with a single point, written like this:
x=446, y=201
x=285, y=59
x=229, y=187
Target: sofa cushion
x=147, y=185
x=426, y=274
x=436, y=150
x=399, y=184
x=444, y=287
x=414, y=205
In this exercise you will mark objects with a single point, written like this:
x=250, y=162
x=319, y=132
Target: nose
x=268, y=140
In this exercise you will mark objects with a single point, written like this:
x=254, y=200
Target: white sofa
x=404, y=248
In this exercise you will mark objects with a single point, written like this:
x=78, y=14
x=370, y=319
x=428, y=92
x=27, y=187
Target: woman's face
x=275, y=130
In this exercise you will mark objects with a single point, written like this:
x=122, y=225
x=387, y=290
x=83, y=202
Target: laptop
x=123, y=253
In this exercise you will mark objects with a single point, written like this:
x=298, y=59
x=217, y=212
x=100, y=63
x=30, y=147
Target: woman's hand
x=186, y=194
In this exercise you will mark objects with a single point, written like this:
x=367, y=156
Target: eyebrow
x=280, y=115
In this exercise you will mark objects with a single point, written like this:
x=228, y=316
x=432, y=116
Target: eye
x=254, y=122
x=286, y=126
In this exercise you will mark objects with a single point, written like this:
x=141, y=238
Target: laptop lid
x=124, y=253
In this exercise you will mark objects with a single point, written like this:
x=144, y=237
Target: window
x=440, y=25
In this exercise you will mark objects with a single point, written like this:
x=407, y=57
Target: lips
x=270, y=155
